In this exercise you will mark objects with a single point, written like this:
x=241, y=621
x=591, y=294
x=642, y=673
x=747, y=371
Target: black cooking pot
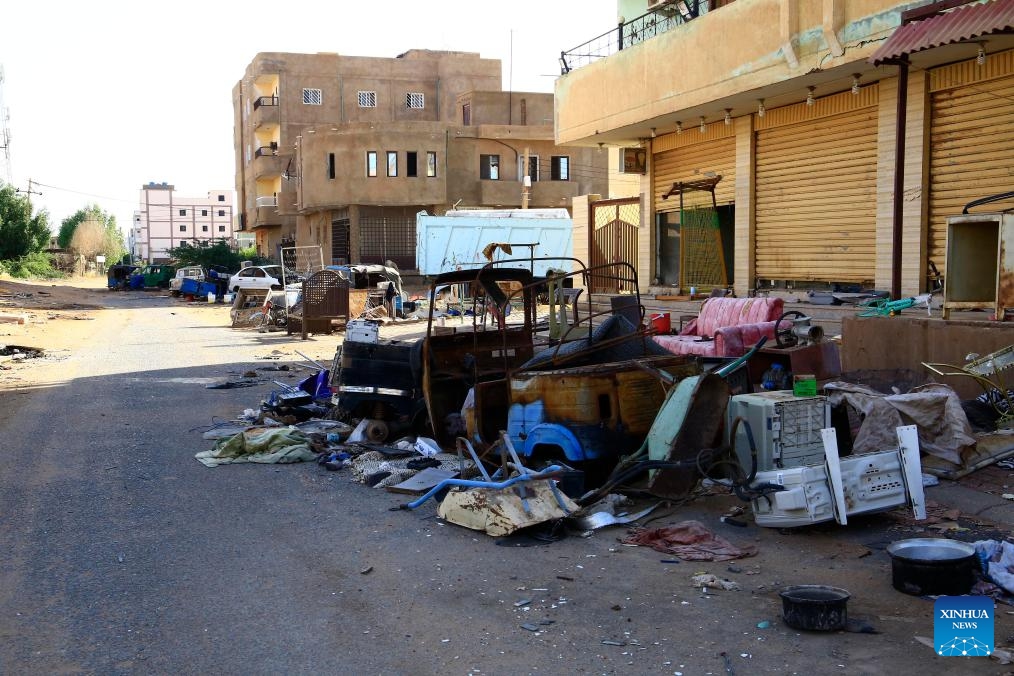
x=933, y=566
x=814, y=607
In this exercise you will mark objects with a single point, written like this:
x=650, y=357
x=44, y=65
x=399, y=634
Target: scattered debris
x=710, y=581
x=691, y=541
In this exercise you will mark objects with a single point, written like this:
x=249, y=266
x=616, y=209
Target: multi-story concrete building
x=831, y=138
x=166, y=220
x=344, y=151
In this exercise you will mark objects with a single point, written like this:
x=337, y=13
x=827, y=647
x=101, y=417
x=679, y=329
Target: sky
x=103, y=97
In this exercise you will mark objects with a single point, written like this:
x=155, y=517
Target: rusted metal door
x=613, y=239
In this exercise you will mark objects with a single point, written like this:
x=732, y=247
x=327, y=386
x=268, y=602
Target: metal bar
x=548, y=473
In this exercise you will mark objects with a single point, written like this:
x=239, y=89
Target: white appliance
x=362, y=331
x=839, y=488
x=786, y=428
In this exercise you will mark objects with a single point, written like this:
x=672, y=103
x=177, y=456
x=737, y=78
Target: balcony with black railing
x=665, y=17
x=265, y=101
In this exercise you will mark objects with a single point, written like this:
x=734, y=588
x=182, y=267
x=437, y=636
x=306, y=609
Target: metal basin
x=922, y=566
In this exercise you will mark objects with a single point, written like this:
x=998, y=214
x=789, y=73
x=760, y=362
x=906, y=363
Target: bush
x=37, y=265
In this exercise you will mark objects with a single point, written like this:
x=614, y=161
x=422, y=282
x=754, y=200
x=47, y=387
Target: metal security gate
x=816, y=190
x=340, y=230
x=694, y=162
x=971, y=141
x=613, y=239
x=384, y=238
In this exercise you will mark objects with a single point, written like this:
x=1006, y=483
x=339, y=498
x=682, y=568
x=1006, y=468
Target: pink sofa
x=733, y=326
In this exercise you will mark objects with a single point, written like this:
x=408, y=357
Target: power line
x=86, y=194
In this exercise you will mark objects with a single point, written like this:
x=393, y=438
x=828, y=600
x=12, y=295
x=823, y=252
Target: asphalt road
x=121, y=554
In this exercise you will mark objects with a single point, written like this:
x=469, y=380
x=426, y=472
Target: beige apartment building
x=832, y=138
x=344, y=151
x=166, y=220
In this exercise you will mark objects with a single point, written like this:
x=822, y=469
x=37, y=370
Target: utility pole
x=526, y=180
x=28, y=192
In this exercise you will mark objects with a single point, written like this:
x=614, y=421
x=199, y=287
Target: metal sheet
x=816, y=198
x=971, y=137
x=446, y=243
x=695, y=162
x=689, y=421
x=963, y=23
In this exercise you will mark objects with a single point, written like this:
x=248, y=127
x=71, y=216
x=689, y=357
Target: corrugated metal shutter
x=971, y=143
x=693, y=162
x=816, y=196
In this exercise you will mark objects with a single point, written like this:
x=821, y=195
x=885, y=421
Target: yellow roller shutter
x=693, y=160
x=971, y=142
x=816, y=194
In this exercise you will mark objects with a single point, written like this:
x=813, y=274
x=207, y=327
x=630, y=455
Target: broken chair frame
x=986, y=371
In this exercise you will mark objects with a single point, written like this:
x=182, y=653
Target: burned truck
x=419, y=386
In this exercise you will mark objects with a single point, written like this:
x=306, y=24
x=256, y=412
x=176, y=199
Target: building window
x=466, y=114
x=204, y=228
x=221, y=228
x=183, y=212
x=411, y=163
x=489, y=167
x=371, y=162
x=312, y=97
x=221, y=198
x=330, y=165
x=415, y=100
x=367, y=99
x=183, y=228
x=560, y=168
x=431, y=164
x=204, y=212
x=221, y=212
x=392, y=163
x=533, y=168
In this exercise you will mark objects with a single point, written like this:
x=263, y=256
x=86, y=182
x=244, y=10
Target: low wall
x=901, y=344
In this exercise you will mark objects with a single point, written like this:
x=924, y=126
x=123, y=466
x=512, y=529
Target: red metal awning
x=958, y=25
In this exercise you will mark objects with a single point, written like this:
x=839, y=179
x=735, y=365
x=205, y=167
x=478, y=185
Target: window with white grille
x=367, y=99
x=312, y=97
x=415, y=100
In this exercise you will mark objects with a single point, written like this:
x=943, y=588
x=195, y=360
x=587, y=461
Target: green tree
x=216, y=254
x=21, y=234
x=98, y=234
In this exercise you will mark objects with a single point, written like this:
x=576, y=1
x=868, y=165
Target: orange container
x=661, y=323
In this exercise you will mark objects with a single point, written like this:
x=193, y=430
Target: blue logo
x=963, y=626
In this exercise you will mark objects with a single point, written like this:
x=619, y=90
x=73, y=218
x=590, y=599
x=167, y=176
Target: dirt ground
x=597, y=605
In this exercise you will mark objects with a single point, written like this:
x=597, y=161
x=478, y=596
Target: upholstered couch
x=726, y=327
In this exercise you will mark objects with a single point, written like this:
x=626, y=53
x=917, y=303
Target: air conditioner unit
x=786, y=428
x=658, y=4
x=839, y=488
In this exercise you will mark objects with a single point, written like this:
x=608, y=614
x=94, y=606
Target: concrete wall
x=775, y=41
x=892, y=343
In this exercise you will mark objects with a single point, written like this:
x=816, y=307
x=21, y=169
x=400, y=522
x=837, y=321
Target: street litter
x=997, y=560
x=691, y=541
x=501, y=512
x=594, y=520
x=275, y=445
x=714, y=582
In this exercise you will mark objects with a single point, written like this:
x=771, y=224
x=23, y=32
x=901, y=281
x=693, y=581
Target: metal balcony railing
x=662, y=19
x=267, y=201
x=265, y=101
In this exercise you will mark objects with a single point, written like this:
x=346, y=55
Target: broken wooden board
x=988, y=449
x=501, y=512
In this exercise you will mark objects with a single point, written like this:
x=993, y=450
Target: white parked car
x=257, y=277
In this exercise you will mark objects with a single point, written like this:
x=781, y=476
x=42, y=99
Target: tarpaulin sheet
x=934, y=409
